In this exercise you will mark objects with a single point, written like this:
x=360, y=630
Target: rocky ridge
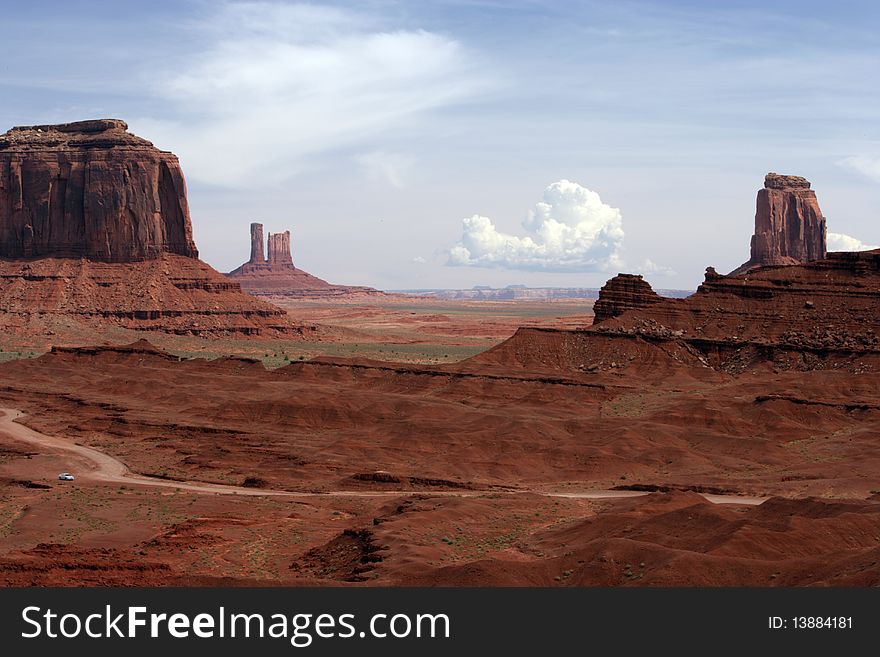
x=816, y=314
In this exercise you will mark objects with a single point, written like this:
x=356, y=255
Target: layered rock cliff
x=621, y=293
x=789, y=226
x=95, y=230
x=813, y=314
x=818, y=315
x=171, y=293
x=93, y=190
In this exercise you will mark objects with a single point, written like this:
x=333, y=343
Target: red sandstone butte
x=95, y=229
x=92, y=190
x=621, y=293
x=789, y=226
x=277, y=275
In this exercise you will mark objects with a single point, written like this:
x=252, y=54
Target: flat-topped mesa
x=621, y=293
x=789, y=226
x=90, y=189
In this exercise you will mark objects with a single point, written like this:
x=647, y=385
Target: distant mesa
x=95, y=224
x=276, y=274
x=789, y=226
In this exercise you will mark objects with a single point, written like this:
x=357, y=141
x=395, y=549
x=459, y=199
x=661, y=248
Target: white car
x=66, y=476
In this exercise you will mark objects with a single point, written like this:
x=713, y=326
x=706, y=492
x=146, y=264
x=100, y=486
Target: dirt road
x=89, y=464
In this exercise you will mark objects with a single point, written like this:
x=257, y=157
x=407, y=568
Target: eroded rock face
x=789, y=226
x=257, y=253
x=95, y=231
x=92, y=190
x=171, y=294
x=279, y=249
x=818, y=314
x=622, y=293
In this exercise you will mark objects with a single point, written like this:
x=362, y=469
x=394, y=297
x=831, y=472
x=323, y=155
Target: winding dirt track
x=101, y=467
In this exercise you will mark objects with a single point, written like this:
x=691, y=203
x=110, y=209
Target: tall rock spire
x=257, y=252
x=276, y=260
x=789, y=226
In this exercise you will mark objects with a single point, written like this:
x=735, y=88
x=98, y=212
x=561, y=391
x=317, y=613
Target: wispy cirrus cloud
x=863, y=164
x=384, y=166
x=274, y=84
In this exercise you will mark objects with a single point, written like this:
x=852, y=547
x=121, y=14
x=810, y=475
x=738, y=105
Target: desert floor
x=391, y=459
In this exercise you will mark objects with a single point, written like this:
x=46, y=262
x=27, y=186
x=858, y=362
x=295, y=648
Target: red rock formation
x=171, y=293
x=95, y=229
x=90, y=189
x=789, y=226
x=257, y=254
x=277, y=275
x=279, y=249
x=818, y=314
x=622, y=293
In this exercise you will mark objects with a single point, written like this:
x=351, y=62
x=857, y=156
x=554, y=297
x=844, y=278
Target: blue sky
x=450, y=144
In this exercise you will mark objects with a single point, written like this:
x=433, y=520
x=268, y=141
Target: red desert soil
x=396, y=328
x=463, y=453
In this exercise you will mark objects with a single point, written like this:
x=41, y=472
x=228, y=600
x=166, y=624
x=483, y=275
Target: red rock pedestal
x=279, y=249
x=789, y=226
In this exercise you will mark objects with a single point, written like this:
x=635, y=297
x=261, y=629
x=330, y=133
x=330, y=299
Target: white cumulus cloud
x=569, y=230
x=841, y=242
